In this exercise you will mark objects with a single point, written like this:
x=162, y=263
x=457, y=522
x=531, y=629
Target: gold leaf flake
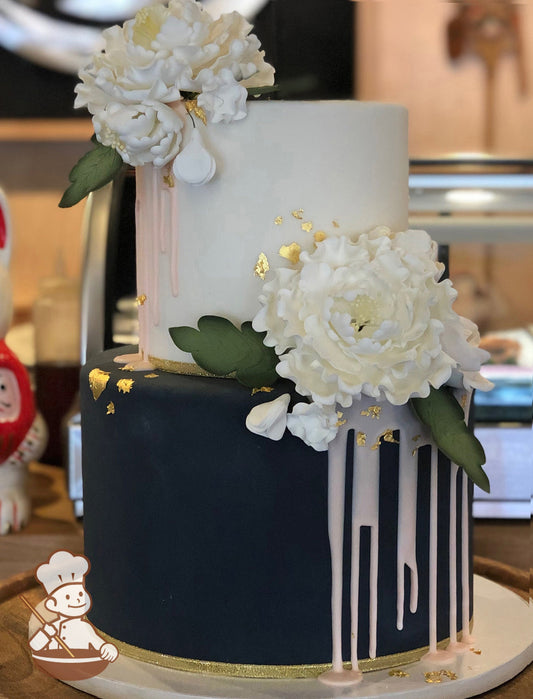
x=449, y=674
x=436, y=676
x=307, y=226
x=192, y=107
x=199, y=112
x=124, y=385
x=151, y=376
x=398, y=673
x=340, y=422
x=373, y=411
x=98, y=381
x=169, y=180
x=140, y=300
x=320, y=236
x=127, y=367
x=335, y=224
x=263, y=389
x=261, y=266
x=298, y=213
x=476, y=651
x=463, y=401
x=388, y=436
x=433, y=677
x=110, y=408
x=291, y=252
x=278, y=220
x=417, y=437
x=360, y=440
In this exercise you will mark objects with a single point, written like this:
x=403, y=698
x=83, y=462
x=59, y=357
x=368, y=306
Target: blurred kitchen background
x=463, y=69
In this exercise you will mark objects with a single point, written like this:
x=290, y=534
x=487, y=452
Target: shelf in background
x=59, y=130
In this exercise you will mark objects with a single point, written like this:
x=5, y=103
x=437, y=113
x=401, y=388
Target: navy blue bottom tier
x=210, y=543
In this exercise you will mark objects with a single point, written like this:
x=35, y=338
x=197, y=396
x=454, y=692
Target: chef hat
x=62, y=568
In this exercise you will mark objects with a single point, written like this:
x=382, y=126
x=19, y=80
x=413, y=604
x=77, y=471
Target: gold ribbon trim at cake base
x=186, y=368
x=278, y=672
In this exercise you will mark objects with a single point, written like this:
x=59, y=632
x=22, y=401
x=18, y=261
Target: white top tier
x=343, y=163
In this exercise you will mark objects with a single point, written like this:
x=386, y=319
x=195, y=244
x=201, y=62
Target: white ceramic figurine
x=22, y=431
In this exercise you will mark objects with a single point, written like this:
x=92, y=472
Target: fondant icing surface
x=209, y=543
x=341, y=166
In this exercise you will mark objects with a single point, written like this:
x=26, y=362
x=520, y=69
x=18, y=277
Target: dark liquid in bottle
x=56, y=386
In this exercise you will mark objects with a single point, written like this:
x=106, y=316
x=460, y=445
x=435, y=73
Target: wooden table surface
x=53, y=527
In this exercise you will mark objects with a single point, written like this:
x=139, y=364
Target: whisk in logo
x=63, y=642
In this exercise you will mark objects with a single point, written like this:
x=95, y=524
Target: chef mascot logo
x=63, y=643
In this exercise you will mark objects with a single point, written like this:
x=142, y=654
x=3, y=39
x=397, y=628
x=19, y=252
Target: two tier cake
x=276, y=480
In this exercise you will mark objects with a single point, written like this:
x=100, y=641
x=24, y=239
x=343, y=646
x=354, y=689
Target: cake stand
x=503, y=646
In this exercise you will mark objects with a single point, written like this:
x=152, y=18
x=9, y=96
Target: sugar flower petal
x=269, y=419
x=314, y=424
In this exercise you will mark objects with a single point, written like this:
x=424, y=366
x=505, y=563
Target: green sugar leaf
x=92, y=171
x=445, y=418
x=216, y=345
x=221, y=349
x=259, y=369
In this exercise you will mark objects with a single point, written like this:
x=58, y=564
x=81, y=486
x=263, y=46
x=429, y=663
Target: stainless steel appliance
x=490, y=202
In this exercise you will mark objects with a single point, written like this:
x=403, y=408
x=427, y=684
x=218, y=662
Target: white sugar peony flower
x=468, y=354
x=238, y=51
x=132, y=68
x=366, y=316
x=155, y=57
x=142, y=133
x=315, y=424
x=223, y=98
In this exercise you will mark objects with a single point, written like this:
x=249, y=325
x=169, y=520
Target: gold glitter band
x=186, y=368
x=263, y=671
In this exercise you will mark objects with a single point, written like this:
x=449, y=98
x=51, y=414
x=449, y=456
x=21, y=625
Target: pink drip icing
x=465, y=560
x=338, y=676
x=155, y=195
x=406, y=545
x=434, y=655
x=454, y=646
x=141, y=259
x=164, y=232
x=336, y=486
x=453, y=553
x=433, y=553
x=154, y=235
x=174, y=242
x=365, y=513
